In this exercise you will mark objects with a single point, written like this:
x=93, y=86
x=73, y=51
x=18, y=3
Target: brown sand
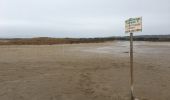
x=96, y=71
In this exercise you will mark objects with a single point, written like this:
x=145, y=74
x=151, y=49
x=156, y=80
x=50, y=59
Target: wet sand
x=94, y=71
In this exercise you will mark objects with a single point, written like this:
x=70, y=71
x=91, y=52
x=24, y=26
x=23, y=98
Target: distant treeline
x=51, y=41
x=147, y=38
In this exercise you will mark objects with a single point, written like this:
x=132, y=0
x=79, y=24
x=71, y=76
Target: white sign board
x=133, y=25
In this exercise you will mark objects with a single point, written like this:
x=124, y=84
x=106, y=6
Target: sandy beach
x=89, y=71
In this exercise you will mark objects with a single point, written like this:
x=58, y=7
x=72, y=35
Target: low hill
x=52, y=41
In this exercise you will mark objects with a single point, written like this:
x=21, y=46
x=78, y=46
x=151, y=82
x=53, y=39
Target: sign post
x=131, y=65
x=132, y=25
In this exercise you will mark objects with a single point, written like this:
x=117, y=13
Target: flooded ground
x=94, y=71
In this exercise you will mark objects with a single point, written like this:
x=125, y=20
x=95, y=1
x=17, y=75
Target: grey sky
x=80, y=18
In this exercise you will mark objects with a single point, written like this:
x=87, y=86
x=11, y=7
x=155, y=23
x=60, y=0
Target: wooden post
x=131, y=65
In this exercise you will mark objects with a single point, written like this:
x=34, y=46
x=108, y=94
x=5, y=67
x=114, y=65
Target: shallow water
x=122, y=47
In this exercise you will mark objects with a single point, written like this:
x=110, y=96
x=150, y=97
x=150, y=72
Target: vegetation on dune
x=51, y=41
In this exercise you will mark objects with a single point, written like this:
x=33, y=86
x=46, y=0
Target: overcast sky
x=81, y=18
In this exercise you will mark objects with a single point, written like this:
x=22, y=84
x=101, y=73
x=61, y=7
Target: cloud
x=80, y=18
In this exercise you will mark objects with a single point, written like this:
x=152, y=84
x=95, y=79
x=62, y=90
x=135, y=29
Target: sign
x=133, y=25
